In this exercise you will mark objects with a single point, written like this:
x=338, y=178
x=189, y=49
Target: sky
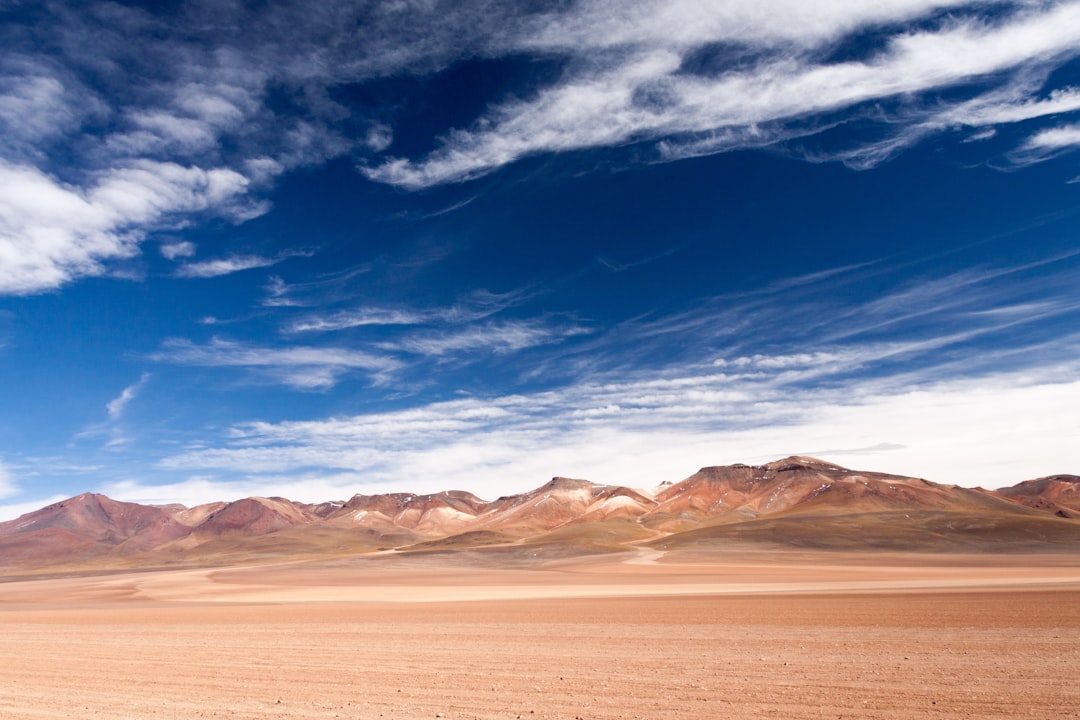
x=311, y=250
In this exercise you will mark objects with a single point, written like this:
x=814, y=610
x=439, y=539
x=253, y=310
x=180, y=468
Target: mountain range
x=795, y=502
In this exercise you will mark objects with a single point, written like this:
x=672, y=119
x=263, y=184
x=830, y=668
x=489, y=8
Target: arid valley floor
x=753, y=633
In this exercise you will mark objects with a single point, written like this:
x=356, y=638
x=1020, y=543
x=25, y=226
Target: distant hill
x=794, y=502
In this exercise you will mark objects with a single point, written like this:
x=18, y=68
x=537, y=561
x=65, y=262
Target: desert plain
x=490, y=633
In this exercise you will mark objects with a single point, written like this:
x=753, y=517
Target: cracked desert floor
x=463, y=635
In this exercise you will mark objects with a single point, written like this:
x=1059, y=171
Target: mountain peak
x=565, y=483
x=803, y=462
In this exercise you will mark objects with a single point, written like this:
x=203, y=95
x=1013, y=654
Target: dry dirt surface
x=633, y=636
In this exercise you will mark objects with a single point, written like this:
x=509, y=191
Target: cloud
x=8, y=486
x=118, y=405
x=353, y=318
x=181, y=249
x=618, y=267
x=1056, y=138
x=642, y=88
x=300, y=367
x=915, y=318
x=869, y=450
x=52, y=232
x=328, y=290
x=1014, y=102
x=471, y=307
x=39, y=103
x=225, y=266
x=495, y=337
x=602, y=24
x=1010, y=106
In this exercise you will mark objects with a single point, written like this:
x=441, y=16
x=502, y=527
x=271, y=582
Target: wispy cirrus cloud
x=648, y=86
x=301, y=367
x=1016, y=101
x=490, y=337
x=469, y=308
x=909, y=324
x=326, y=291
x=112, y=428
x=225, y=266
x=118, y=405
x=1047, y=143
x=618, y=267
x=354, y=318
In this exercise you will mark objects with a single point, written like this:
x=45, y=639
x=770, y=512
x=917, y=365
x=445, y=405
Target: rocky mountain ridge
x=796, y=501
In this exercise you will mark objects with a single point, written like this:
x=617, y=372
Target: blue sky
x=314, y=250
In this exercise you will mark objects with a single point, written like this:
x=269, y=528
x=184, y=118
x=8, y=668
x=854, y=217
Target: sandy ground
x=781, y=636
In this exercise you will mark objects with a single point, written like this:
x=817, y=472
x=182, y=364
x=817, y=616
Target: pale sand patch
x=452, y=578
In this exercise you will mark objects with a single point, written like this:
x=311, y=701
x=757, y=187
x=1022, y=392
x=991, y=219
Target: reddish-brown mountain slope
x=254, y=516
x=802, y=484
x=1059, y=494
x=88, y=524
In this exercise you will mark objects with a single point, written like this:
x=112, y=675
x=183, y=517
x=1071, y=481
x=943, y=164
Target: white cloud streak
x=684, y=24
x=225, y=266
x=1056, y=138
x=180, y=249
x=499, y=338
x=476, y=306
x=354, y=318
x=301, y=367
x=118, y=405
